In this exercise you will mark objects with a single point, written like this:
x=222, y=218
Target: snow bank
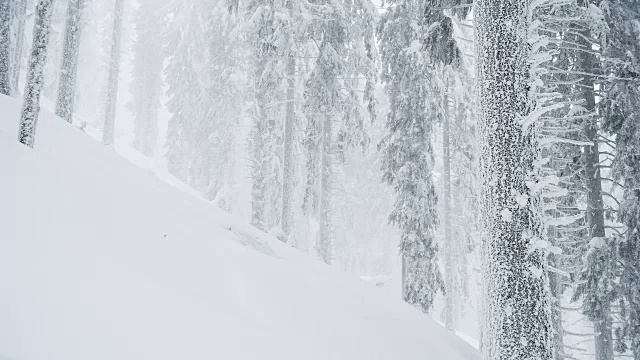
x=99, y=259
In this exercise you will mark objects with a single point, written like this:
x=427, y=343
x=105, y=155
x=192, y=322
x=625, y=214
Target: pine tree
x=146, y=87
x=5, y=46
x=345, y=52
x=566, y=63
x=69, y=68
x=322, y=106
x=450, y=107
x=31, y=103
x=114, y=72
x=20, y=14
x=516, y=324
x=287, y=157
x=596, y=286
x=407, y=163
x=206, y=81
x=621, y=108
x=270, y=26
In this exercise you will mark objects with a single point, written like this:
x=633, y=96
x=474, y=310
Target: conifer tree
x=147, y=83
x=206, y=81
x=35, y=73
x=20, y=13
x=5, y=46
x=69, y=68
x=345, y=53
x=114, y=73
x=270, y=26
x=407, y=163
x=621, y=108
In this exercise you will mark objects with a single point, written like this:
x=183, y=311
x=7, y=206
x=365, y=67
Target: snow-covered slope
x=101, y=260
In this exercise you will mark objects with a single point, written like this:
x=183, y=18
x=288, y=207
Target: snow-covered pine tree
x=147, y=84
x=621, y=108
x=35, y=73
x=286, y=217
x=297, y=11
x=449, y=278
x=69, y=69
x=448, y=74
x=206, y=81
x=5, y=46
x=20, y=14
x=322, y=109
x=457, y=179
x=460, y=251
x=597, y=284
x=407, y=163
x=183, y=85
x=227, y=94
x=516, y=302
x=564, y=37
x=270, y=27
x=336, y=91
x=114, y=73
x=54, y=57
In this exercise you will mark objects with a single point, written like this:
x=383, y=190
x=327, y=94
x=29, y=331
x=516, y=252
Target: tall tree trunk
x=20, y=9
x=69, y=68
x=5, y=46
x=595, y=218
x=515, y=298
x=449, y=276
x=555, y=285
x=114, y=71
x=35, y=73
x=258, y=167
x=287, y=176
x=324, y=234
x=595, y=207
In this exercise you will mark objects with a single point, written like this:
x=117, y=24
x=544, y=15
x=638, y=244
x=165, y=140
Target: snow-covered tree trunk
x=146, y=87
x=449, y=276
x=69, y=68
x=287, y=159
x=20, y=13
x=35, y=73
x=602, y=325
x=515, y=298
x=325, y=245
x=555, y=286
x=114, y=71
x=5, y=46
x=258, y=170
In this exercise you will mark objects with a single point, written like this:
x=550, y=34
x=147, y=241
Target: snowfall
x=101, y=259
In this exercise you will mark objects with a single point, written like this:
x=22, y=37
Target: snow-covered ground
x=100, y=259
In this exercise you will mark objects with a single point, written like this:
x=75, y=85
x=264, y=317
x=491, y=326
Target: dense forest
x=481, y=160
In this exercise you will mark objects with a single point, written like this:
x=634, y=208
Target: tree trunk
x=595, y=208
x=595, y=219
x=449, y=279
x=69, y=68
x=5, y=46
x=114, y=71
x=516, y=302
x=35, y=73
x=20, y=14
x=556, y=313
x=258, y=166
x=324, y=233
x=287, y=176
